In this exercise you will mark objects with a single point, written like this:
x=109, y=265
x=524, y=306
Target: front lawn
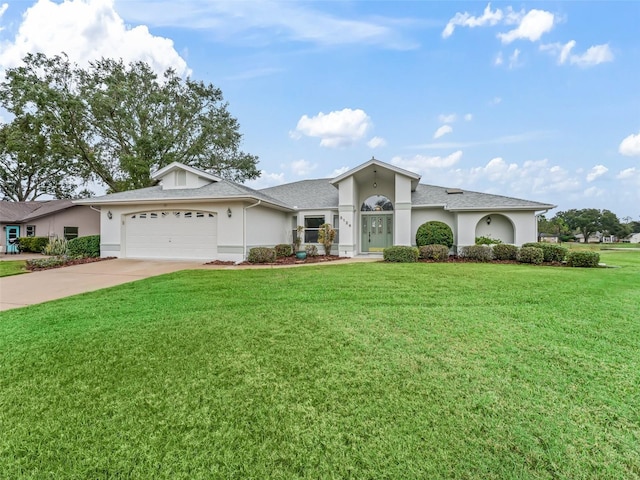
x=12, y=267
x=337, y=371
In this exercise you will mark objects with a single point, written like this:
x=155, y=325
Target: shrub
x=551, y=251
x=84, y=246
x=312, y=250
x=33, y=244
x=262, y=255
x=45, y=263
x=583, y=259
x=434, y=233
x=56, y=246
x=504, y=251
x=401, y=254
x=487, y=240
x=533, y=255
x=283, y=250
x=326, y=235
x=478, y=253
x=438, y=253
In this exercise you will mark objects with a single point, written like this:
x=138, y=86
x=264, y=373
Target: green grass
x=12, y=267
x=336, y=371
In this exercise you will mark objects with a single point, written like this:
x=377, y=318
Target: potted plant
x=297, y=243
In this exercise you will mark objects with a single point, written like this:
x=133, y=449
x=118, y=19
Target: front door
x=13, y=233
x=377, y=232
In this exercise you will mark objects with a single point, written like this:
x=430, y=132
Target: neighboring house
x=52, y=218
x=193, y=214
x=549, y=238
x=633, y=238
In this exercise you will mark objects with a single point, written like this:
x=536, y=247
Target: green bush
x=438, y=253
x=487, y=240
x=583, y=259
x=552, y=252
x=434, y=233
x=505, y=251
x=401, y=254
x=284, y=250
x=478, y=253
x=32, y=244
x=262, y=255
x=533, y=255
x=56, y=246
x=45, y=263
x=84, y=246
x=312, y=250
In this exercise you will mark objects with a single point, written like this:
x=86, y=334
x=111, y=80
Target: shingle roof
x=224, y=189
x=306, y=194
x=20, y=212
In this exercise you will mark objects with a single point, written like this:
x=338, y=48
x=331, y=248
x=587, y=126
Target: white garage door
x=171, y=234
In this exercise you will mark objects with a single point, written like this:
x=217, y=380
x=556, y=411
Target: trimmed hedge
x=401, y=254
x=583, y=259
x=532, y=255
x=479, y=253
x=505, y=251
x=32, y=244
x=262, y=255
x=487, y=240
x=438, y=253
x=84, y=246
x=434, y=233
x=284, y=250
x=551, y=251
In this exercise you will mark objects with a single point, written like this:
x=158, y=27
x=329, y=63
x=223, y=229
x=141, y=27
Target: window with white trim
x=311, y=227
x=31, y=230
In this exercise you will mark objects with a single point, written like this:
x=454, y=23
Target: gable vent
x=453, y=191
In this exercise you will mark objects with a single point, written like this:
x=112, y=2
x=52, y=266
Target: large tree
x=586, y=220
x=117, y=123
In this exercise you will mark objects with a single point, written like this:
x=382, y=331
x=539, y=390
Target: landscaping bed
x=48, y=263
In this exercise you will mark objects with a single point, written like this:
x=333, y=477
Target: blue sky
x=537, y=100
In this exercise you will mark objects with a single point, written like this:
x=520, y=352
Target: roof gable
x=178, y=175
x=415, y=178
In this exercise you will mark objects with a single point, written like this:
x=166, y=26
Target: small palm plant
x=326, y=235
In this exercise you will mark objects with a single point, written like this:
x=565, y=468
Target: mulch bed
x=68, y=263
x=292, y=260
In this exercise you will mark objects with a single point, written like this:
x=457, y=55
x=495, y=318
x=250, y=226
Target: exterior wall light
x=229, y=212
x=375, y=183
x=488, y=220
x=109, y=215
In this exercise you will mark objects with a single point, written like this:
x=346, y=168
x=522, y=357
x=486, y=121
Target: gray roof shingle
x=20, y=212
x=306, y=194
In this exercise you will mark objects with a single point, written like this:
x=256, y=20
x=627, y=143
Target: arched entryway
x=497, y=227
x=376, y=220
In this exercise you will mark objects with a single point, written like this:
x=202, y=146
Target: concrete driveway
x=37, y=287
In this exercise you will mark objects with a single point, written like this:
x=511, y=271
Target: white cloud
x=532, y=26
x=495, y=101
x=499, y=60
x=630, y=146
x=268, y=21
x=266, y=180
x=3, y=8
x=596, y=172
x=465, y=19
x=339, y=171
x=376, y=142
x=594, y=55
x=593, y=192
x=302, y=167
x=628, y=173
x=447, y=117
x=335, y=129
x=86, y=31
x=423, y=163
x=514, y=59
x=468, y=117
x=443, y=130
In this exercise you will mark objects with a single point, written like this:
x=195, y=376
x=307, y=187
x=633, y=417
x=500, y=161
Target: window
x=336, y=227
x=31, y=230
x=376, y=203
x=311, y=227
x=70, y=233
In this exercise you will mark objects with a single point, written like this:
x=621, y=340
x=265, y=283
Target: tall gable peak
x=177, y=175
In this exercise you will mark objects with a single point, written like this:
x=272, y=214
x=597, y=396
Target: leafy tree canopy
x=591, y=220
x=117, y=123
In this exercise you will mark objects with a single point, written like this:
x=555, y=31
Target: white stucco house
x=192, y=214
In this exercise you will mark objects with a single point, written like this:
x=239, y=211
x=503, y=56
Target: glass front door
x=377, y=232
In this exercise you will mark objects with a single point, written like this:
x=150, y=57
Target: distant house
x=549, y=238
x=633, y=238
x=194, y=214
x=52, y=218
x=593, y=238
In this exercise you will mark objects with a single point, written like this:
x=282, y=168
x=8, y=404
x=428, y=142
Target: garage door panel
x=171, y=234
